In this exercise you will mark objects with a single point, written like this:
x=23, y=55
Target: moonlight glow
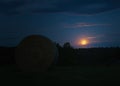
x=83, y=42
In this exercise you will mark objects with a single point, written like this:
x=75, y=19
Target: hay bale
x=35, y=54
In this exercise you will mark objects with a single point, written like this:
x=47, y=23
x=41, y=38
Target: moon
x=83, y=42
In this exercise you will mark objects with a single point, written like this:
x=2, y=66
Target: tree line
x=88, y=56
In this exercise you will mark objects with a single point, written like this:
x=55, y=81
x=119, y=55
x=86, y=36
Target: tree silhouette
x=67, y=45
x=66, y=54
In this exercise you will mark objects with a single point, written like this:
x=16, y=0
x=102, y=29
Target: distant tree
x=58, y=45
x=60, y=57
x=67, y=55
x=67, y=45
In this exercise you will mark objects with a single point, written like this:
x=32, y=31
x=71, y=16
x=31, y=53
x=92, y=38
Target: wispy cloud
x=113, y=37
x=81, y=24
x=10, y=38
x=91, y=37
x=86, y=7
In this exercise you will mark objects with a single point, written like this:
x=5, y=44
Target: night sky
x=61, y=20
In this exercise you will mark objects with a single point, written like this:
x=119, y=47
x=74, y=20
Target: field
x=69, y=75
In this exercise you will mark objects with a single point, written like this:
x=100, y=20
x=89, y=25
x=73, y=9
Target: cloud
x=91, y=37
x=48, y=6
x=80, y=25
x=10, y=7
x=95, y=39
x=106, y=38
x=6, y=39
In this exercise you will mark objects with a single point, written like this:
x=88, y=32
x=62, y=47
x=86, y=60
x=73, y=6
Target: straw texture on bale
x=35, y=54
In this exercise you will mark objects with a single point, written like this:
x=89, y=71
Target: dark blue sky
x=61, y=20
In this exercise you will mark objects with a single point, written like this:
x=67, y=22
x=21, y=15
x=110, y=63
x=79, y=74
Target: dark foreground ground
x=58, y=76
x=108, y=74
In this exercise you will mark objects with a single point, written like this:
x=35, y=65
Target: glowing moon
x=83, y=42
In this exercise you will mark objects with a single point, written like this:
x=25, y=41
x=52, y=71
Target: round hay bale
x=35, y=54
